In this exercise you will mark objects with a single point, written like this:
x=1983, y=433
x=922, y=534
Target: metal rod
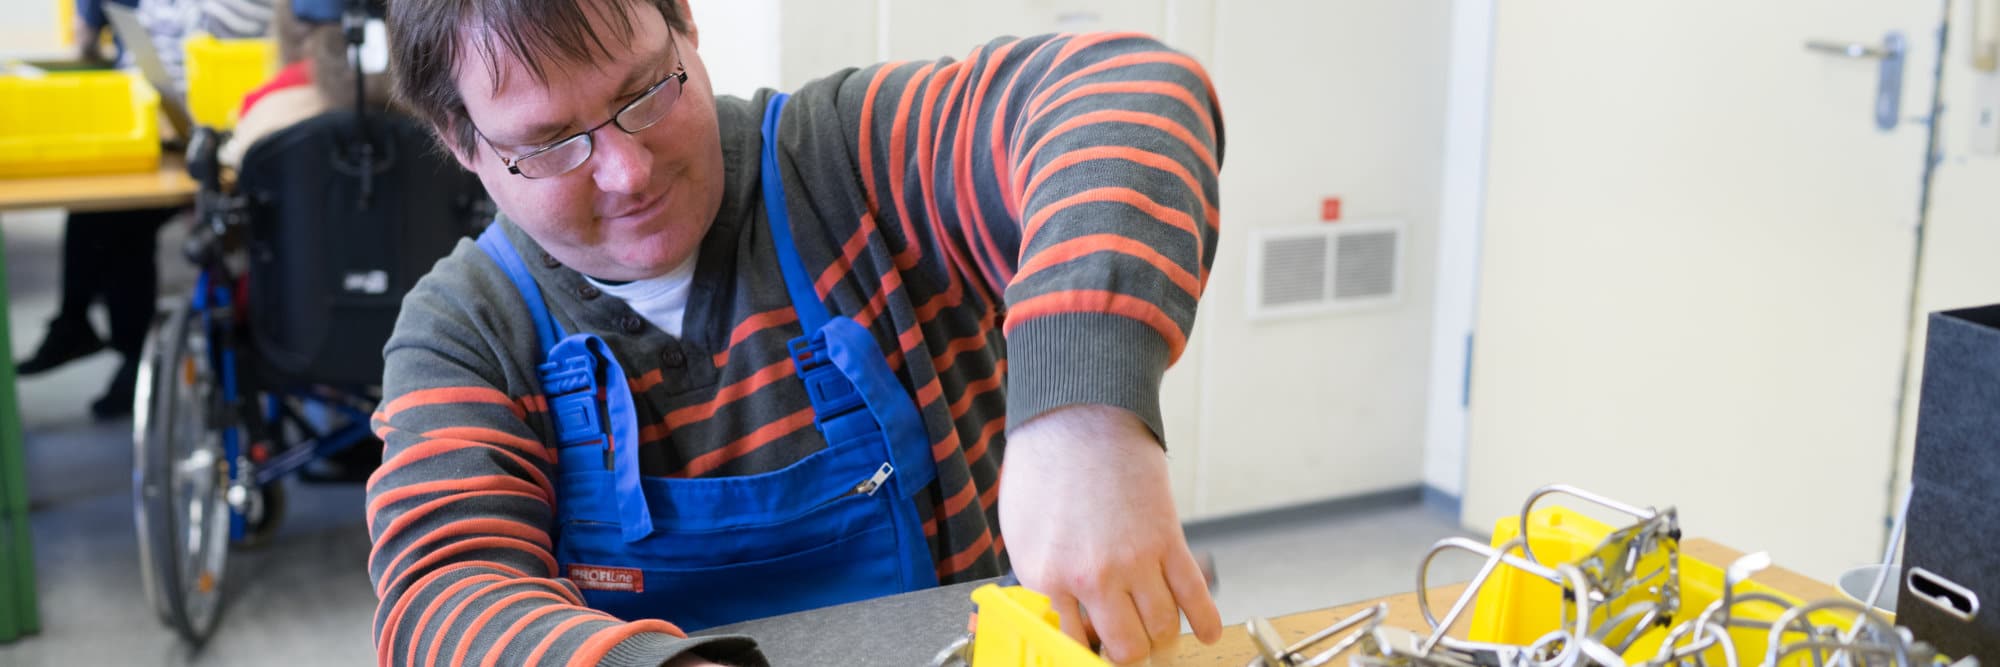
x=1643, y=514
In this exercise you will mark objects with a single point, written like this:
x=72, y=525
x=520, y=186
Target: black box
x=1951, y=556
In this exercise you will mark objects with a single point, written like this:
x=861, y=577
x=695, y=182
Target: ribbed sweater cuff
x=1085, y=358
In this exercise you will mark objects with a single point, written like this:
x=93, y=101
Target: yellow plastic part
x=82, y=122
x=220, y=72
x=1018, y=628
x=1515, y=607
x=65, y=23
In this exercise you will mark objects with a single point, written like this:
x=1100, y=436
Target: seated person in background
x=111, y=254
x=171, y=22
x=318, y=77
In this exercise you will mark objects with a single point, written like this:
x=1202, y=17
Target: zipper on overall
x=873, y=483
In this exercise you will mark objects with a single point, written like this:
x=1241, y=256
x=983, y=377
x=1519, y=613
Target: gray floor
x=305, y=599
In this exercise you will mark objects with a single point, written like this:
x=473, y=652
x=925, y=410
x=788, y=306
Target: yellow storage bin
x=220, y=72
x=1515, y=607
x=1018, y=628
x=83, y=122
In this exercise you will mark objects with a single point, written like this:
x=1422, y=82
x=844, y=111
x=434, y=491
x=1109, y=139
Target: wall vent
x=1324, y=268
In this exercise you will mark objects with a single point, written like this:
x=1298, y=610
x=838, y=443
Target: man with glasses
x=722, y=358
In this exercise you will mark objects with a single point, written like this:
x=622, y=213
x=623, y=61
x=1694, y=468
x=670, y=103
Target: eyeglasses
x=642, y=112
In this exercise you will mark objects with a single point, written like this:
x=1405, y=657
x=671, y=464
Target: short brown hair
x=426, y=38
x=324, y=46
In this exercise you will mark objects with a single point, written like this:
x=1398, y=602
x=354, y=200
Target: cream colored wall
x=33, y=28
x=1322, y=98
x=818, y=37
x=739, y=43
x=1962, y=230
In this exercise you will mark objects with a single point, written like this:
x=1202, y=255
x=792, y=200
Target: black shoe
x=66, y=341
x=117, y=399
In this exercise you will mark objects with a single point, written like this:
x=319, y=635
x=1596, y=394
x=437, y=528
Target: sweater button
x=549, y=261
x=673, y=357
x=632, y=324
x=588, y=292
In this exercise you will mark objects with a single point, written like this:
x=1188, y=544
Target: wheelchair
x=273, y=362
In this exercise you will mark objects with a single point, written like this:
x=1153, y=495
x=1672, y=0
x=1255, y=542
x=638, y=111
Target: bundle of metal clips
x=1625, y=590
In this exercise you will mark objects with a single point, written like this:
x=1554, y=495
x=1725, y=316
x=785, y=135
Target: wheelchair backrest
x=346, y=213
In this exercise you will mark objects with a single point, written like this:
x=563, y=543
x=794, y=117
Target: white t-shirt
x=661, y=300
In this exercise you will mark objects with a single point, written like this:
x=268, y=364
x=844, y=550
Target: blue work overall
x=837, y=526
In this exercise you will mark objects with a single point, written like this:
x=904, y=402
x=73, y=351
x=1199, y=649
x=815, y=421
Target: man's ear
x=693, y=32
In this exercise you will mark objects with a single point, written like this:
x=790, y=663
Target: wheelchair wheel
x=181, y=476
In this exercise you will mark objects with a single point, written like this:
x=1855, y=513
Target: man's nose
x=624, y=165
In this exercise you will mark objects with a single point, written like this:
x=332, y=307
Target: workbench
x=910, y=629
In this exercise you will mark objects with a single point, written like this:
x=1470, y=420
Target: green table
x=168, y=185
x=17, y=554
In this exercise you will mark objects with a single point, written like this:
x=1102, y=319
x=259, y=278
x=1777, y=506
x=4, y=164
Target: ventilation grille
x=1294, y=271
x=1365, y=266
x=1325, y=268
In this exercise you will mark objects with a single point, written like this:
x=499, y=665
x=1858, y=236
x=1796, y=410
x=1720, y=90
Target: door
x=1697, y=265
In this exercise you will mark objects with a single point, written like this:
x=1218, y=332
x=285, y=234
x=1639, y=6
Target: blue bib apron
x=837, y=526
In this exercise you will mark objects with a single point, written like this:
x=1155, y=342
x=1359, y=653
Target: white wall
x=33, y=28
x=739, y=43
x=1322, y=98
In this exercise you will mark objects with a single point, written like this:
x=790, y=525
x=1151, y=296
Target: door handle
x=1889, y=84
x=1851, y=49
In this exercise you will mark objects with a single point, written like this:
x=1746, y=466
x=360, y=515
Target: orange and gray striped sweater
x=1026, y=229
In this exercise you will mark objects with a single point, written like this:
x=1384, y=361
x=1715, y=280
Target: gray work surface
x=906, y=629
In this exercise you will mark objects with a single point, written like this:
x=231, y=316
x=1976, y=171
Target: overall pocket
x=824, y=531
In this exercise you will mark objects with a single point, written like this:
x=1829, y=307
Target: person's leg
x=70, y=335
x=131, y=289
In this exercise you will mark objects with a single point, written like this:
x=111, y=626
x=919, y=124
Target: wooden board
x=167, y=186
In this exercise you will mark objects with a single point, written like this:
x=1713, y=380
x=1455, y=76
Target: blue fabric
x=838, y=526
x=91, y=12
x=805, y=300
x=496, y=245
x=570, y=376
x=858, y=375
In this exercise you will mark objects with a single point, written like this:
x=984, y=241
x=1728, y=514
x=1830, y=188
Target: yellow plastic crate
x=1018, y=628
x=83, y=122
x=1516, y=607
x=220, y=72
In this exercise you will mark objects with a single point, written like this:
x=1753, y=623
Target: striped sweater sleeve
x=460, y=511
x=1071, y=178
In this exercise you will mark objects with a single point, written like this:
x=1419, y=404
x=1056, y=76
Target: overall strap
x=569, y=370
x=494, y=242
x=805, y=300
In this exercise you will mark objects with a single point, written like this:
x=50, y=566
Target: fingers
x=1071, y=616
x=1190, y=590
x=1117, y=620
x=1161, y=616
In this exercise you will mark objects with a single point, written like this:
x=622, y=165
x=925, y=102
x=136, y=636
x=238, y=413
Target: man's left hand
x=1087, y=509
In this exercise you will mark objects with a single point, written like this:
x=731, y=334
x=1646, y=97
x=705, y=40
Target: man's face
x=640, y=204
